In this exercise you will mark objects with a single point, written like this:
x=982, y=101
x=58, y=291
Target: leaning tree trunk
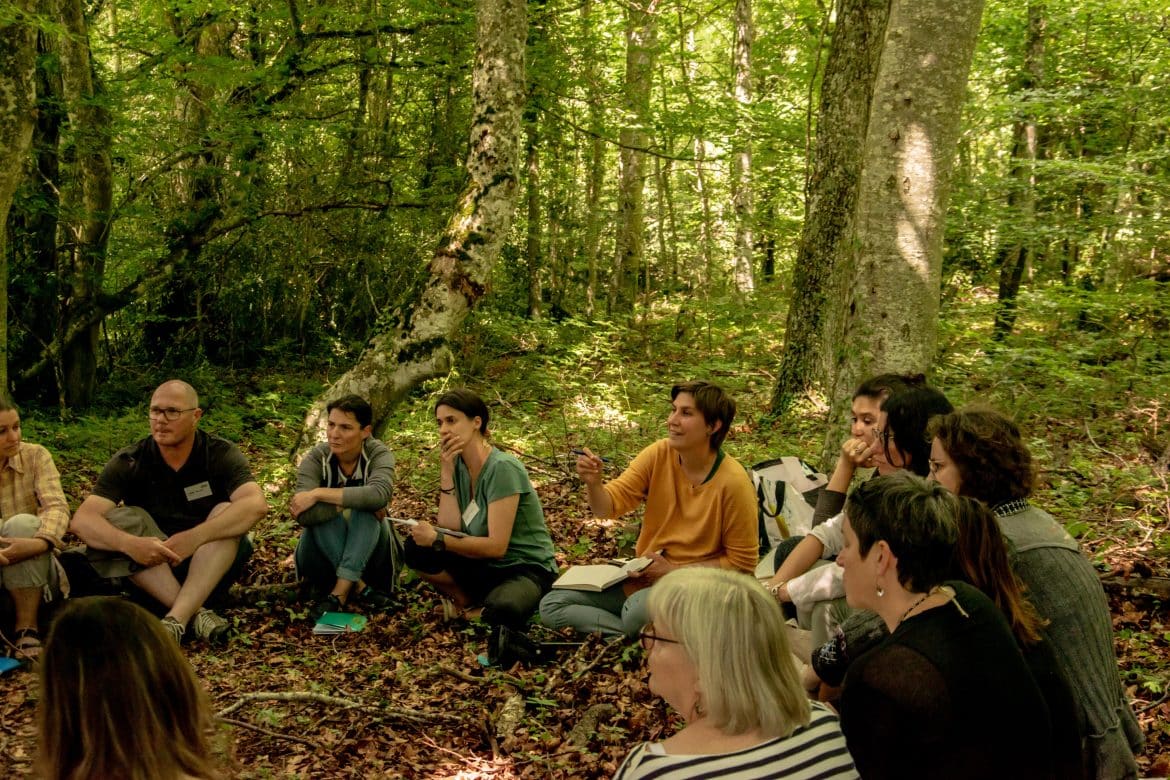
x=17, y=101
x=831, y=192
x=892, y=301
x=414, y=347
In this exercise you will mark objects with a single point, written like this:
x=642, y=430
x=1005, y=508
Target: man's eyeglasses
x=648, y=638
x=883, y=435
x=170, y=414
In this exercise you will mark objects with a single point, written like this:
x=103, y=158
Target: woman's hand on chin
x=450, y=448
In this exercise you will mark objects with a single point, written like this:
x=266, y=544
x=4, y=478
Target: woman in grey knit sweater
x=979, y=452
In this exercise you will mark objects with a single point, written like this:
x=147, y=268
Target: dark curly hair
x=884, y=385
x=994, y=463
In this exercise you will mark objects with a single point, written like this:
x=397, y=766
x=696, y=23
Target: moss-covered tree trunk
x=830, y=193
x=85, y=206
x=413, y=347
x=17, y=100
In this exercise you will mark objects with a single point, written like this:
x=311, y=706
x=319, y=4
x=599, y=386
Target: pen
x=576, y=451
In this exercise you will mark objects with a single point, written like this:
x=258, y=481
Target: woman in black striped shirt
x=718, y=654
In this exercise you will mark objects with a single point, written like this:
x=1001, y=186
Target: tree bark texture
x=414, y=345
x=85, y=208
x=1016, y=251
x=596, y=162
x=17, y=112
x=641, y=51
x=892, y=302
x=741, y=172
x=831, y=194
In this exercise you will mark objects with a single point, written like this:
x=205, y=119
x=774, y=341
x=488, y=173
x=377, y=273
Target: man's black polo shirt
x=177, y=500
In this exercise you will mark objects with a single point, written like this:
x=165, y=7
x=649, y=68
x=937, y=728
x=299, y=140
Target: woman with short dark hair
x=700, y=510
x=500, y=554
x=895, y=439
x=948, y=693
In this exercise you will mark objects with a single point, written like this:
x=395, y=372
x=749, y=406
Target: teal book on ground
x=339, y=623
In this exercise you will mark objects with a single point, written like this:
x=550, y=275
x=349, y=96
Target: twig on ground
x=391, y=713
x=276, y=734
x=1110, y=453
x=1165, y=695
x=609, y=645
x=490, y=677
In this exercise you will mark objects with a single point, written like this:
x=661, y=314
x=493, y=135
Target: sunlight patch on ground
x=601, y=414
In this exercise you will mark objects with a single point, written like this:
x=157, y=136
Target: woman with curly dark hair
x=979, y=453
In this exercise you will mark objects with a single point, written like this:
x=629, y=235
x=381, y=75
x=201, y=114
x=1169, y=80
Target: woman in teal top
x=505, y=561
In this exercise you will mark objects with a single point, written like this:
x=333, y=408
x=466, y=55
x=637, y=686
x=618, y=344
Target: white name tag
x=470, y=512
x=197, y=491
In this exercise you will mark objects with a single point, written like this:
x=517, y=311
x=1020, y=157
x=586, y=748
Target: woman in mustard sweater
x=700, y=511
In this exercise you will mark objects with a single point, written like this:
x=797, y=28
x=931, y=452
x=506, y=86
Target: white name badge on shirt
x=197, y=491
x=470, y=512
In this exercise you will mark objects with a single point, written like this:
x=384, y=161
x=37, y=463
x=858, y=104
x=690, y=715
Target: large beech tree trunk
x=414, y=345
x=891, y=302
x=17, y=101
x=831, y=192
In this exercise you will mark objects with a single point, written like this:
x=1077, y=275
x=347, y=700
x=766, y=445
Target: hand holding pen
x=589, y=466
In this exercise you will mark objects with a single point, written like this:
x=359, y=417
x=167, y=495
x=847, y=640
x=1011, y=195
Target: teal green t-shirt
x=502, y=476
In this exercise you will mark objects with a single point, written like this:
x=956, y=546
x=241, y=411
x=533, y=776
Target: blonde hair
x=118, y=699
x=735, y=636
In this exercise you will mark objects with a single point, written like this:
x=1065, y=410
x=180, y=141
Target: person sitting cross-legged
x=33, y=517
x=347, y=549
x=700, y=511
x=502, y=556
x=172, y=512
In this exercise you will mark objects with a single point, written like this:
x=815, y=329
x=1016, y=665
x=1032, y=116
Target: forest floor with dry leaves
x=407, y=697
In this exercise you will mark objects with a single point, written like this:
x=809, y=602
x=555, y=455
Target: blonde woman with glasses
x=717, y=652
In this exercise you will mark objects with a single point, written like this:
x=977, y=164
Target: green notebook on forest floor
x=339, y=623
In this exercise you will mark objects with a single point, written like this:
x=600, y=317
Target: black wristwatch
x=440, y=543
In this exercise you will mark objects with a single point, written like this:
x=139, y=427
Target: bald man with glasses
x=171, y=514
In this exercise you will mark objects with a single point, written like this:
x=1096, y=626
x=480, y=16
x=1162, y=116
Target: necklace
x=914, y=606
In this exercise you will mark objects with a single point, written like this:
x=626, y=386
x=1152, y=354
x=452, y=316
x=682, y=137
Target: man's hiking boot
x=174, y=628
x=210, y=627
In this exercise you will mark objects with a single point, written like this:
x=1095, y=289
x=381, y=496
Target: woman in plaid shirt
x=34, y=516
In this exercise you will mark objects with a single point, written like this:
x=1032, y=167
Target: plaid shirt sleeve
x=52, y=508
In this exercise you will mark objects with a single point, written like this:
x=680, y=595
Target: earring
x=881, y=591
